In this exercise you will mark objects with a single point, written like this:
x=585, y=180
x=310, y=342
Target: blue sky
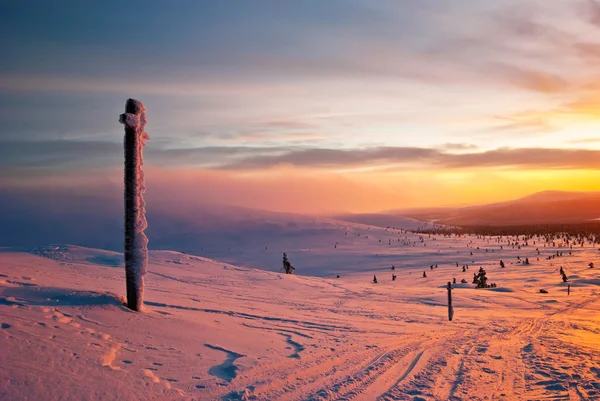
x=339, y=87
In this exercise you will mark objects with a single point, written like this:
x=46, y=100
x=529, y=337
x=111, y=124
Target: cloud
x=275, y=137
x=335, y=158
x=591, y=12
x=54, y=157
x=523, y=122
x=200, y=86
x=538, y=81
x=57, y=154
x=583, y=105
x=585, y=140
x=458, y=146
x=528, y=158
x=588, y=51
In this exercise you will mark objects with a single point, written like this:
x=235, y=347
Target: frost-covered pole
x=136, y=242
x=450, y=309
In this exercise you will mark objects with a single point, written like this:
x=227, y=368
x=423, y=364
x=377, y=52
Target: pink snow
x=218, y=331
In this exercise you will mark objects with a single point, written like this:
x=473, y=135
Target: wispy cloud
x=458, y=146
x=523, y=122
x=538, y=81
x=585, y=140
x=82, y=154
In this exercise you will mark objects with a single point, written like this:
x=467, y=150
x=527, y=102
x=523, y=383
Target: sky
x=304, y=106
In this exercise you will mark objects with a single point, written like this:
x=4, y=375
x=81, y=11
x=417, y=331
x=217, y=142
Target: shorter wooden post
x=568, y=289
x=450, y=309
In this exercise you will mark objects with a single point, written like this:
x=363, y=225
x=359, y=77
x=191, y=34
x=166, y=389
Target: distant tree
x=480, y=279
x=374, y=279
x=502, y=264
x=287, y=266
x=424, y=275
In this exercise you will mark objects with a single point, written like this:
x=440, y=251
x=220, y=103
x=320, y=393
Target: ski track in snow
x=219, y=332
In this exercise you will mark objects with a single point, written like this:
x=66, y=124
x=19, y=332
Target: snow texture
x=136, y=242
x=221, y=331
x=130, y=120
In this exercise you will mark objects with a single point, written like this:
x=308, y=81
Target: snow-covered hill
x=548, y=207
x=242, y=236
x=213, y=330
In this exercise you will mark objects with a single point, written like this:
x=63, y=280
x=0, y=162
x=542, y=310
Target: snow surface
x=217, y=331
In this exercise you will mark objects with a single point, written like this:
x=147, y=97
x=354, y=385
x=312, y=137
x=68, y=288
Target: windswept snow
x=218, y=331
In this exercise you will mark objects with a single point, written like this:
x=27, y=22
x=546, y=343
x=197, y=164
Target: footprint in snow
x=227, y=370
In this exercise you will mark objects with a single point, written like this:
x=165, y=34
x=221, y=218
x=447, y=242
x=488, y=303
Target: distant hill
x=549, y=196
x=381, y=220
x=242, y=236
x=546, y=207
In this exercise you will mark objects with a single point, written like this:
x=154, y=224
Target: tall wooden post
x=450, y=309
x=568, y=289
x=136, y=242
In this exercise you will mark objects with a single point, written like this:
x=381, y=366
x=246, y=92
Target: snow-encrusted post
x=136, y=242
x=450, y=309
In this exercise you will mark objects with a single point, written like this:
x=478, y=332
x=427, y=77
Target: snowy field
x=221, y=330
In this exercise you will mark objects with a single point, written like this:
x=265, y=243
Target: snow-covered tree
x=480, y=279
x=287, y=266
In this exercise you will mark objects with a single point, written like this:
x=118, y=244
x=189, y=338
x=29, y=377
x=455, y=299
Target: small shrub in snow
x=287, y=266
